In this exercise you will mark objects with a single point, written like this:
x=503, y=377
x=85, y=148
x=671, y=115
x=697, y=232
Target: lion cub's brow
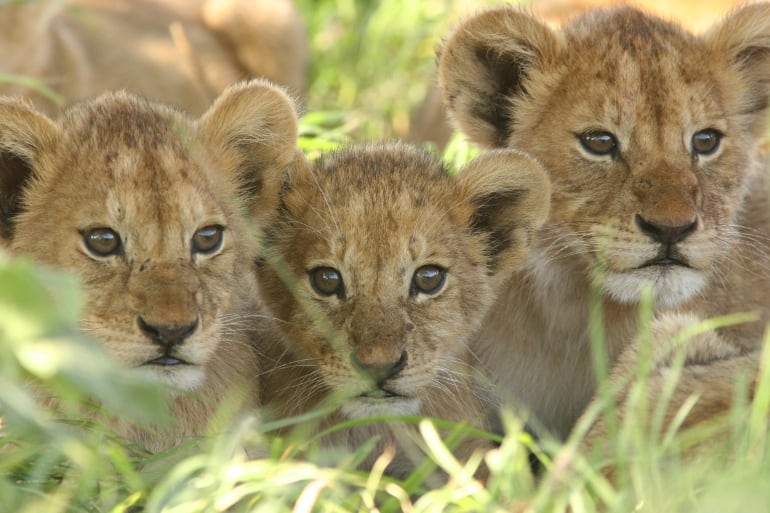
x=362, y=201
x=142, y=160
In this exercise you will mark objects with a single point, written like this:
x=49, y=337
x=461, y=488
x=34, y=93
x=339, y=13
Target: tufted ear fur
x=743, y=39
x=511, y=194
x=256, y=124
x=25, y=135
x=486, y=64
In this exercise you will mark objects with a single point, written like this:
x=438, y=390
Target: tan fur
x=180, y=52
x=706, y=382
x=377, y=214
x=155, y=177
x=511, y=81
x=429, y=121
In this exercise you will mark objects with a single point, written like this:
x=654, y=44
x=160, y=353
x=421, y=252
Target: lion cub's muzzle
x=668, y=235
x=379, y=372
x=168, y=337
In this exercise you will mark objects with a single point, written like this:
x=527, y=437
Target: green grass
x=372, y=64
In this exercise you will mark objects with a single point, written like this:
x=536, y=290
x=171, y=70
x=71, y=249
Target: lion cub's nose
x=377, y=370
x=663, y=233
x=167, y=335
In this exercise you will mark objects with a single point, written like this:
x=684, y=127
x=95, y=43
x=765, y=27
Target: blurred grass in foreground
x=48, y=464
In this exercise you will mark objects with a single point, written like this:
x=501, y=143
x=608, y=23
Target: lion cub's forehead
x=634, y=53
x=382, y=189
x=627, y=30
x=365, y=200
x=129, y=163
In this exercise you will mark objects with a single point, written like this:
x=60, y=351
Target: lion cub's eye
x=327, y=281
x=208, y=239
x=599, y=143
x=428, y=279
x=705, y=142
x=102, y=241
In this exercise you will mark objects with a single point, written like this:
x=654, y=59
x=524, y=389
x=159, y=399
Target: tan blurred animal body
x=182, y=53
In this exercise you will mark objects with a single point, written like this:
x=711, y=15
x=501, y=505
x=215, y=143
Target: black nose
x=663, y=233
x=379, y=372
x=167, y=335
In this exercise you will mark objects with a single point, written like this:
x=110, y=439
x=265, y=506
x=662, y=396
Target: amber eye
x=102, y=241
x=327, y=281
x=705, y=142
x=208, y=239
x=599, y=143
x=428, y=279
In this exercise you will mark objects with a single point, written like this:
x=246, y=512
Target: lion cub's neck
x=547, y=308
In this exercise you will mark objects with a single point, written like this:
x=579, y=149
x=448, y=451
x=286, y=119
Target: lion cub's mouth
x=380, y=394
x=165, y=361
x=665, y=261
x=668, y=256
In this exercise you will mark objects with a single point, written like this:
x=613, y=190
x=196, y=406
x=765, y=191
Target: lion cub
x=380, y=267
x=651, y=136
x=146, y=207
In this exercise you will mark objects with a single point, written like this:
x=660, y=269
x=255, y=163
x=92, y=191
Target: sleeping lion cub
x=380, y=267
x=651, y=136
x=141, y=203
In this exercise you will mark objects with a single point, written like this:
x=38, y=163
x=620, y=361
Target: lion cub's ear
x=486, y=63
x=25, y=137
x=743, y=39
x=255, y=123
x=511, y=194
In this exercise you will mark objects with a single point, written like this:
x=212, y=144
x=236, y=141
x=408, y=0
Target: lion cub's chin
x=671, y=285
x=184, y=377
x=363, y=407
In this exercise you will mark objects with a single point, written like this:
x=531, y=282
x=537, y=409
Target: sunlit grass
x=372, y=63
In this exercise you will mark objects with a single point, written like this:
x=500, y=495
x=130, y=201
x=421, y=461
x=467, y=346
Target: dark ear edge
x=483, y=67
x=511, y=195
x=15, y=173
x=24, y=134
x=255, y=123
